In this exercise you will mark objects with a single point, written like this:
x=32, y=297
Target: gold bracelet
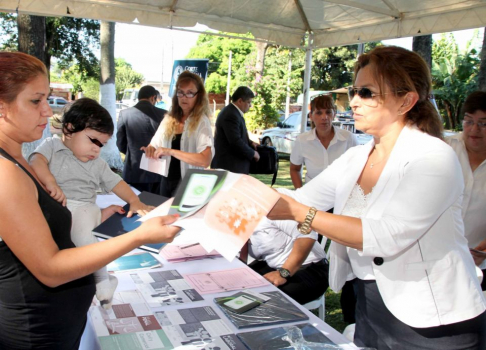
x=305, y=227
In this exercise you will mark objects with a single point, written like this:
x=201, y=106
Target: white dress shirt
x=474, y=197
x=309, y=151
x=273, y=241
x=194, y=142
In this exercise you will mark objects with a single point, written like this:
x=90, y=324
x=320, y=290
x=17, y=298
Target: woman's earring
x=1, y=115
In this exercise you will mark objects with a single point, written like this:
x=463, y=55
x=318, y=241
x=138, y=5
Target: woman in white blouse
x=470, y=147
x=319, y=147
x=184, y=138
x=397, y=221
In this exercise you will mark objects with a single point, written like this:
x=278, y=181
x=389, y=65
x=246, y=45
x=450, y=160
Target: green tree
x=125, y=77
x=68, y=39
x=454, y=75
x=216, y=49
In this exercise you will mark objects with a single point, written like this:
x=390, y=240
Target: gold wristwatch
x=305, y=227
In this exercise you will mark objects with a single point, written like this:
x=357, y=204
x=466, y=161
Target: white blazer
x=413, y=222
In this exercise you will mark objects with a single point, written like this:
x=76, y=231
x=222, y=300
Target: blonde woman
x=185, y=136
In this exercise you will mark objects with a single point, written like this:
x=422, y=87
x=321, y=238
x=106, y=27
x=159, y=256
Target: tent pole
x=307, y=77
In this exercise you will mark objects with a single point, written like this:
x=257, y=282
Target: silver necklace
x=373, y=164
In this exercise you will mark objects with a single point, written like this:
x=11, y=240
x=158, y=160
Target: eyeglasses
x=470, y=124
x=95, y=141
x=188, y=95
x=363, y=93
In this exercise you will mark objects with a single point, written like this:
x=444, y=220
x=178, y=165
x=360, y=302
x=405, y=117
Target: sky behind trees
x=149, y=49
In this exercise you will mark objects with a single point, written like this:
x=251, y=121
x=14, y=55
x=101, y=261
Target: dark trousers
x=168, y=186
x=348, y=302
x=376, y=327
x=307, y=284
x=152, y=187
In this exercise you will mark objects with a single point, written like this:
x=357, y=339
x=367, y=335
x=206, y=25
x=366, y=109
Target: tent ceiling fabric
x=333, y=23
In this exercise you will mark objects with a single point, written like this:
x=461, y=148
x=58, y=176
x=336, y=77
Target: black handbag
x=268, y=163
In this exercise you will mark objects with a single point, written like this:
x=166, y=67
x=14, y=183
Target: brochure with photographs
x=224, y=207
x=302, y=336
x=276, y=309
x=119, y=224
x=195, y=191
x=129, y=326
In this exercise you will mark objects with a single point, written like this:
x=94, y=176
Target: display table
x=90, y=341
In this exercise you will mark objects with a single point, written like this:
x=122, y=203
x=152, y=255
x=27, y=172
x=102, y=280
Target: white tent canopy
x=285, y=22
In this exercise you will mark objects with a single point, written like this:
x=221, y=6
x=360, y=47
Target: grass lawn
x=333, y=308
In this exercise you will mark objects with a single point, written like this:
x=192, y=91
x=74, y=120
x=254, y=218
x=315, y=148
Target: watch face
x=284, y=272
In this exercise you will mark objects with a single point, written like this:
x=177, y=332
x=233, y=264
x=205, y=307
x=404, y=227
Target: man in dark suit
x=136, y=127
x=233, y=149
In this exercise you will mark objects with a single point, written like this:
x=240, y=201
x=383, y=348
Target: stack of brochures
x=132, y=326
x=273, y=308
x=180, y=253
x=302, y=336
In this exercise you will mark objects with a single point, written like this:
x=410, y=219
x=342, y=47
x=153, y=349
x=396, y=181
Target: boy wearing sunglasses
x=71, y=171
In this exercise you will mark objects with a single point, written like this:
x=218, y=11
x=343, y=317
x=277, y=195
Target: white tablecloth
x=89, y=341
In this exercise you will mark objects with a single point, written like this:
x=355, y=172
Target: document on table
x=127, y=328
x=160, y=288
x=180, y=253
x=225, y=280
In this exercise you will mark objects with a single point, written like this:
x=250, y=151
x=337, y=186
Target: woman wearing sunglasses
x=184, y=138
x=397, y=221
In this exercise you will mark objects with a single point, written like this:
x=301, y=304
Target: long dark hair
x=404, y=71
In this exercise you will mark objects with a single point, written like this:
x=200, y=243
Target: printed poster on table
x=127, y=328
x=160, y=288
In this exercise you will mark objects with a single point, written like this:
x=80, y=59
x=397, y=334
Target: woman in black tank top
x=46, y=286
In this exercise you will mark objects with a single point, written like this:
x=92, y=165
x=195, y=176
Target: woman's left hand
x=161, y=151
x=275, y=278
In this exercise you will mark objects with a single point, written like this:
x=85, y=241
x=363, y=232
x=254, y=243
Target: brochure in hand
x=119, y=224
x=275, y=310
x=302, y=336
x=224, y=207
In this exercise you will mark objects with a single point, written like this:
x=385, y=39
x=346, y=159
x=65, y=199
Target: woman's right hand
x=149, y=151
x=157, y=230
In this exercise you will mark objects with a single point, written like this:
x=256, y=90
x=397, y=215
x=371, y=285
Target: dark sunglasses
x=362, y=92
x=95, y=141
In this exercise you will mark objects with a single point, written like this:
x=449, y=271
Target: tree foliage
x=331, y=69
x=125, y=77
x=455, y=76
x=68, y=39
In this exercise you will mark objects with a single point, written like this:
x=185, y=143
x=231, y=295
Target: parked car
x=57, y=104
x=282, y=137
x=119, y=107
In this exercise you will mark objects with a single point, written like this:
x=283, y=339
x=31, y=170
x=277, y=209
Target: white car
x=282, y=137
x=57, y=104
